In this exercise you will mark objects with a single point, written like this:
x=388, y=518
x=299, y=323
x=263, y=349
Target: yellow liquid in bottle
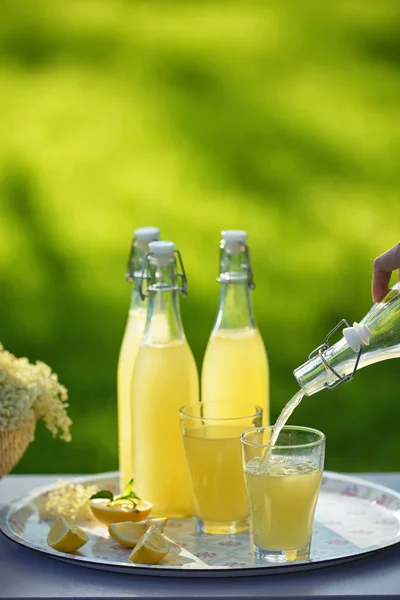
x=282, y=498
x=127, y=358
x=165, y=378
x=214, y=458
x=235, y=369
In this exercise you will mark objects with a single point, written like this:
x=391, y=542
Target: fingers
x=384, y=265
x=380, y=285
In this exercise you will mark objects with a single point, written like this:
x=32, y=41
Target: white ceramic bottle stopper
x=162, y=252
x=234, y=239
x=357, y=336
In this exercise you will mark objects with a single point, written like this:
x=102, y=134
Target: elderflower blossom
x=70, y=500
x=29, y=392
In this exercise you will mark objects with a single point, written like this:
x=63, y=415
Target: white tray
x=354, y=517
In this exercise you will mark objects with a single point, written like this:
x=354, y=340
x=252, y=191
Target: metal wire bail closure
x=250, y=276
x=181, y=274
x=130, y=273
x=324, y=347
x=143, y=277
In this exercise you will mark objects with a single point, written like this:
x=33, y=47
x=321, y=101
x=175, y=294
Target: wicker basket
x=13, y=444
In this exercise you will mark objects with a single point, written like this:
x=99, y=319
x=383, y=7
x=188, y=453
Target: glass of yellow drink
x=213, y=455
x=282, y=485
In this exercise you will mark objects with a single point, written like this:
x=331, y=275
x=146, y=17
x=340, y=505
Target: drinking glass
x=211, y=438
x=283, y=483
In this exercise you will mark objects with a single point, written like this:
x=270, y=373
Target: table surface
x=25, y=573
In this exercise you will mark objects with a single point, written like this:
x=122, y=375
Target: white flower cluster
x=29, y=392
x=70, y=500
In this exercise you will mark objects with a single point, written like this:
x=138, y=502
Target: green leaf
x=124, y=499
x=128, y=488
x=128, y=494
x=103, y=494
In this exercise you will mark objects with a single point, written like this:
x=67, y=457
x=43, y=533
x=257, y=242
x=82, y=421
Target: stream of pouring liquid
x=279, y=424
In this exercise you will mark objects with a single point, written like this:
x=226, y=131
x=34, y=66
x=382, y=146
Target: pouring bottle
x=375, y=338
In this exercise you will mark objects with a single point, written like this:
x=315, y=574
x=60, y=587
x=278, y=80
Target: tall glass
x=213, y=456
x=283, y=485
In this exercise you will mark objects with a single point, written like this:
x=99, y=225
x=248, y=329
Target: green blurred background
x=282, y=118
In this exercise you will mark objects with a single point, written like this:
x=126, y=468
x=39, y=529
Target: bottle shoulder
x=241, y=346
x=164, y=364
x=237, y=335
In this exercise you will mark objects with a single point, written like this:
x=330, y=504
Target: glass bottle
x=235, y=367
x=165, y=378
x=130, y=345
x=375, y=338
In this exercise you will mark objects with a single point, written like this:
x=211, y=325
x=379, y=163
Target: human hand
x=384, y=265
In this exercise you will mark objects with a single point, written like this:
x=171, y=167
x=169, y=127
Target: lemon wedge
x=129, y=533
x=65, y=537
x=116, y=512
x=152, y=547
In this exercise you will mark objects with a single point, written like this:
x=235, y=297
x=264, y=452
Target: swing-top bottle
x=165, y=378
x=375, y=338
x=130, y=345
x=235, y=367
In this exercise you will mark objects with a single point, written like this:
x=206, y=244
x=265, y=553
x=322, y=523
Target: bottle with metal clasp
x=235, y=367
x=375, y=338
x=129, y=348
x=165, y=378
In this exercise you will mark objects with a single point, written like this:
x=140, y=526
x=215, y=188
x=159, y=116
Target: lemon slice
x=151, y=548
x=117, y=512
x=65, y=537
x=129, y=533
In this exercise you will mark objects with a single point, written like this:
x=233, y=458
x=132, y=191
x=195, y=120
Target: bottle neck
x=136, y=301
x=134, y=271
x=235, y=308
x=163, y=324
x=314, y=375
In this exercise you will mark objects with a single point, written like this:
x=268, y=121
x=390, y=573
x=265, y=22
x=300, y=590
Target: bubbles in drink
x=281, y=466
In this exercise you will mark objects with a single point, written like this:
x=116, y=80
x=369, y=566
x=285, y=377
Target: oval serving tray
x=354, y=517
